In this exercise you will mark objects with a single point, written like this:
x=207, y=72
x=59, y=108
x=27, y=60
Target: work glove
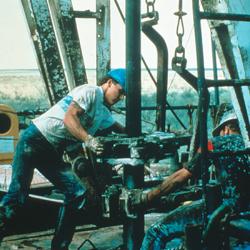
x=94, y=144
x=193, y=166
x=138, y=200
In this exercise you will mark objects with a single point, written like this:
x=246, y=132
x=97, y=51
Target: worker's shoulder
x=86, y=89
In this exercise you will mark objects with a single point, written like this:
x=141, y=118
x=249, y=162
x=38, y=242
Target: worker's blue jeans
x=34, y=151
x=173, y=225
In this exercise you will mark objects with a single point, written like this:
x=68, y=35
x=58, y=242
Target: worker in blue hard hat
x=114, y=89
x=119, y=75
x=75, y=118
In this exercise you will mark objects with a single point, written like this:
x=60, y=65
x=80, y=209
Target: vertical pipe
x=133, y=228
x=133, y=66
x=162, y=74
x=216, y=89
x=203, y=96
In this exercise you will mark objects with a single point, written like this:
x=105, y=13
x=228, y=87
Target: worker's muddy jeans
x=34, y=151
x=173, y=225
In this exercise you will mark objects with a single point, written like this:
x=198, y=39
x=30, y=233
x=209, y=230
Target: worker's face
x=225, y=131
x=114, y=93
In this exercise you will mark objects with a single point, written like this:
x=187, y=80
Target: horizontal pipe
x=225, y=16
x=228, y=83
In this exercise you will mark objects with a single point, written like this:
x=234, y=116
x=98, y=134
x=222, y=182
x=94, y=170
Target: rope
x=87, y=241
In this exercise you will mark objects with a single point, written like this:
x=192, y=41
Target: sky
x=16, y=48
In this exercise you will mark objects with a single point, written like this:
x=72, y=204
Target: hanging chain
x=150, y=7
x=180, y=28
x=151, y=13
x=179, y=61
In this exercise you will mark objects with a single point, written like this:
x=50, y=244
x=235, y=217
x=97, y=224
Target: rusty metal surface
x=47, y=50
x=37, y=46
x=71, y=41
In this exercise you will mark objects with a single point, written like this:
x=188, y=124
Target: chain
x=179, y=61
x=180, y=28
x=152, y=14
x=150, y=6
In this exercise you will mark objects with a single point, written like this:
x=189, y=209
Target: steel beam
x=232, y=44
x=103, y=53
x=48, y=52
x=71, y=41
x=215, y=73
x=37, y=46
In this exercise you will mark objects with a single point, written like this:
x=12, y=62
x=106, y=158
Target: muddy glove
x=193, y=166
x=94, y=144
x=138, y=200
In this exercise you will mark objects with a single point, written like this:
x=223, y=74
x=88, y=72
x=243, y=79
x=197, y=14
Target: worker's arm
x=169, y=185
x=72, y=122
x=141, y=200
x=177, y=179
x=144, y=200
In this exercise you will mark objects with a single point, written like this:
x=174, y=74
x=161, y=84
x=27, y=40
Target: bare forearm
x=75, y=128
x=72, y=122
x=170, y=184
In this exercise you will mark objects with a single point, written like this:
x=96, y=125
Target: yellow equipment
x=9, y=131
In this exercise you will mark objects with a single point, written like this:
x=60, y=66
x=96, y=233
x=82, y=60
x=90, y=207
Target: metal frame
x=235, y=58
x=37, y=12
x=103, y=52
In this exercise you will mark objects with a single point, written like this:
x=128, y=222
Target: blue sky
x=16, y=50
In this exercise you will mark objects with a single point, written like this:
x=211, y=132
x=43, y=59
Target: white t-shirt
x=96, y=115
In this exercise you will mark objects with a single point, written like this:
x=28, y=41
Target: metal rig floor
x=105, y=238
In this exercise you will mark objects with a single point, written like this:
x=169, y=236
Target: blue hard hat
x=119, y=75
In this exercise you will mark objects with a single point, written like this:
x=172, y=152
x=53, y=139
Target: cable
x=87, y=241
